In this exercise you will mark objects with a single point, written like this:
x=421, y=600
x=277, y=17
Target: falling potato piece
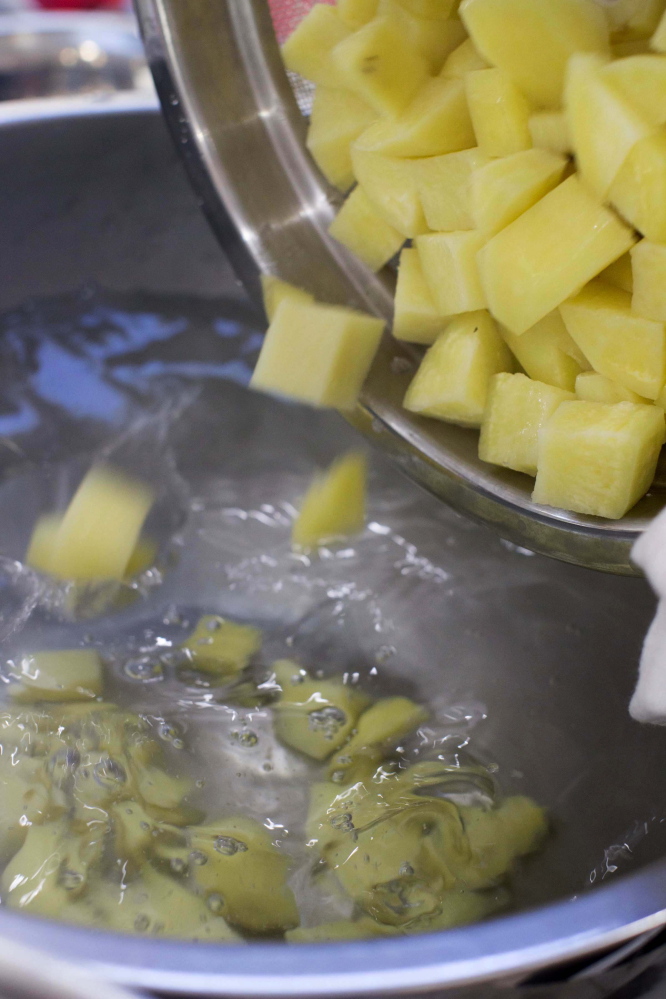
x=67, y=675
x=334, y=505
x=275, y=292
x=221, y=647
x=42, y=548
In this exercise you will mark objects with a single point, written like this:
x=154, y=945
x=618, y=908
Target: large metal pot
x=100, y=197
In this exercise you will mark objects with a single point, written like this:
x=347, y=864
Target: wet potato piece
x=378, y=730
x=221, y=647
x=67, y=675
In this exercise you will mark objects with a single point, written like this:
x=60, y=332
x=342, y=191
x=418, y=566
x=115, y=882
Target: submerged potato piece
x=134, y=832
x=160, y=789
x=379, y=65
x=617, y=343
x=547, y=353
x=308, y=49
x=314, y=716
x=498, y=836
x=620, y=273
x=516, y=410
x=449, y=262
x=641, y=79
x=639, y=189
x=598, y=459
x=465, y=59
x=437, y=121
x=42, y=547
x=337, y=119
x=275, y=292
x=444, y=185
x=363, y=230
x=648, y=263
x=65, y=675
x=416, y=318
x=221, y=647
x=499, y=112
x=319, y=354
x=593, y=387
x=503, y=189
x=247, y=872
x=24, y=801
x=532, y=42
x=549, y=130
x=334, y=505
x=550, y=251
x=392, y=186
x=452, y=381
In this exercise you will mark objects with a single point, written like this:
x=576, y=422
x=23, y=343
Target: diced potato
x=444, y=189
x=319, y=354
x=453, y=378
x=648, y=262
x=547, y=353
x=437, y=10
x=437, y=121
x=598, y=459
x=634, y=18
x=391, y=185
x=464, y=59
x=385, y=723
x=435, y=40
x=308, y=49
x=449, y=265
x=618, y=344
x=497, y=836
x=334, y=505
x=276, y=291
x=416, y=318
x=221, y=647
x=504, y=188
x=22, y=804
x=337, y=119
x=603, y=125
x=67, y=675
x=532, y=42
x=620, y=273
x=549, y=252
x=499, y=112
x=360, y=227
x=380, y=66
x=641, y=80
x=639, y=190
x=356, y=13
x=516, y=410
x=593, y=387
x=549, y=130
x=658, y=40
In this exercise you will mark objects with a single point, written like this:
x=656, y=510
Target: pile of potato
x=520, y=146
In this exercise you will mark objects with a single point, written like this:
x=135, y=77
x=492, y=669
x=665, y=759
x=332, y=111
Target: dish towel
x=649, y=701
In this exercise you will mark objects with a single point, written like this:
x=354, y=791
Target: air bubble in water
x=198, y=857
x=177, y=864
x=328, y=721
x=246, y=738
x=215, y=902
x=144, y=668
x=228, y=846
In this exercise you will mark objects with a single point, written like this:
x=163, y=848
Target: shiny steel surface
x=233, y=114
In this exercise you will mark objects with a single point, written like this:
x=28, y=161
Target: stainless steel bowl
x=100, y=198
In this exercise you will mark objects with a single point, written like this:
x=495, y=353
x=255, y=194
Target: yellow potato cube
x=532, y=42
x=598, y=459
x=499, y=112
x=649, y=272
x=618, y=344
x=516, y=409
x=549, y=252
x=549, y=130
x=334, y=505
x=337, y=119
x=641, y=80
x=639, y=190
x=380, y=66
x=444, y=189
x=547, y=353
x=275, y=291
x=437, y=121
x=416, y=318
x=319, y=354
x=356, y=13
x=465, y=59
x=603, y=125
x=360, y=227
x=453, y=378
x=593, y=387
x=433, y=39
x=43, y=546
x=620, y=273
x=658, y=40
x=392, y=186
x=450, y=269
x=67, y=675
x=221, y=647
x=308, y=49
x=504, y=188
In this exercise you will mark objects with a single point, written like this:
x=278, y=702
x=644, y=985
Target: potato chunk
x=618, y=344
x=504, y=188
x=391, y=184
x=532, y=42
x=356, y=13
x=593, y=387
x=598, y=459
x=67, y=675
x=437, y=121
x=433, y=39
x=276, y=291
x=550, y=251
x=436, y=10
x=221, y=647
x=450, y=269
x=641, y=80
x=380, y=66
x=337, y=119
x=319, y=354
x=547, y=353
x=499, y=112
x=549, y=130
x=360, y=227
x=444, y=189
x=465, y=59
x=416, y=317
x=308, y=49
x=516, y=410
x=649, y=280
x=639, y=190
x=620, y=273
x=334, y=505
x=452, y=381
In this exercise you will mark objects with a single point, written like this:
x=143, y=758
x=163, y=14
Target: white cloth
x=649, y=701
